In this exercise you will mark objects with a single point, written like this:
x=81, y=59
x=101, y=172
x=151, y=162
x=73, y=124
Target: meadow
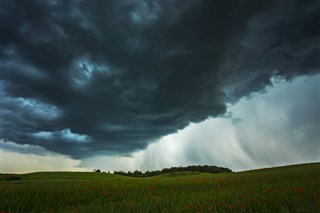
x=282, y=189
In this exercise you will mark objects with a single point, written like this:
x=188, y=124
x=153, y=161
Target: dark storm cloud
x=82, y=78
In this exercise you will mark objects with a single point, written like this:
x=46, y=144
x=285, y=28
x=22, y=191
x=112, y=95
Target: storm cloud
x=83, y=78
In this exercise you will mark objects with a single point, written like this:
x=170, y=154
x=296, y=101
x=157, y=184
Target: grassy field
x=282, y=189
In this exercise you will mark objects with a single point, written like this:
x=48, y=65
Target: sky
x=126, y=85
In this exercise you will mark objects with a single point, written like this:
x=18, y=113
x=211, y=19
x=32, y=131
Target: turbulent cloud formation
x=82, y=78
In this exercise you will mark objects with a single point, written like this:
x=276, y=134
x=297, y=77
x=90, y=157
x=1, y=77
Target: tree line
x=199, y=168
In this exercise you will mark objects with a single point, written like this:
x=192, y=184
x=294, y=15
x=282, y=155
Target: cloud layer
x=110, y=77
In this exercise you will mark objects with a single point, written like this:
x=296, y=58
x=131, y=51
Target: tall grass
x=285, y=189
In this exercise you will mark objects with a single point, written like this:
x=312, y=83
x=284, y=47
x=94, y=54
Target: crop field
x=282, y=189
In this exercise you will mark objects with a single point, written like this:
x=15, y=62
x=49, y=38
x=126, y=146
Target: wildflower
x=189, y=206
x=110, y=198
x=50, y=209
x=300, y=189
x=242, y=205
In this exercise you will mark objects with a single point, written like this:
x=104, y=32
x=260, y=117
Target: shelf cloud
x=83, y=78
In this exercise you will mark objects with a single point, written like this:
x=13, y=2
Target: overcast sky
x=151, y=84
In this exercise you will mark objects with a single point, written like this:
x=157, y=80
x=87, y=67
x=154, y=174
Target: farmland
x=282, y=189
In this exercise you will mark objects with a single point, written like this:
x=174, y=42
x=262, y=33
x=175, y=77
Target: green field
x=282, y=189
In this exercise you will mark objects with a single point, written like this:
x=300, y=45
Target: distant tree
x=137, y=173
x=97, y=170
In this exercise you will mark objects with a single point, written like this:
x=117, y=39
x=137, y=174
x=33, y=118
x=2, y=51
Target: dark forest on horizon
x=193, y=168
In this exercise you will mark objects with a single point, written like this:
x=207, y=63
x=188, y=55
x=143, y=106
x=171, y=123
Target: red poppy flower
x=232, y=206
x=300, y=189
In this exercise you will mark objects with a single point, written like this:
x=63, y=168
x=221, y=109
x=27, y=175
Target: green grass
x=283, y=189
x=67, y=176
